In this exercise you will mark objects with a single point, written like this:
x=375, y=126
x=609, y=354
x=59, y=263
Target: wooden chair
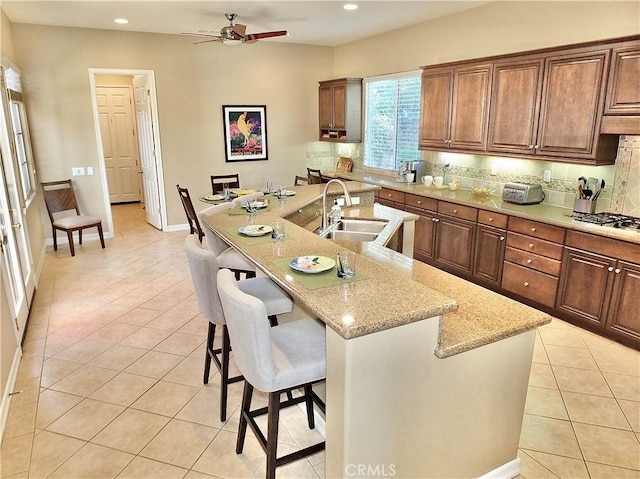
x=60, y=197
x=192, y=218
x=314, y=177
x=300, y=181
x=218, y=181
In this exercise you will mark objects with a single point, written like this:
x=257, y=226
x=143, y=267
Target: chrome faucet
x=347, y=200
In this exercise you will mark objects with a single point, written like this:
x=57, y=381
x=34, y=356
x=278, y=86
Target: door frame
x=150, y=74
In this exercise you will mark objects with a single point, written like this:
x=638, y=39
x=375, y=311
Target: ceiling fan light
x=350, y=6
x=231, y=42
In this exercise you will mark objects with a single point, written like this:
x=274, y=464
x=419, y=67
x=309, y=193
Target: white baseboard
x=6, y=399
x=62, y=240
x=506, y=471
x=174, y=228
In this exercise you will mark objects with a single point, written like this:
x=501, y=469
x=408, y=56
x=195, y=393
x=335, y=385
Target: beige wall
x=192, y=81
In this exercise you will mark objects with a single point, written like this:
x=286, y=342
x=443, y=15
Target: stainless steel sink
x=355, y=230
x=350, y=235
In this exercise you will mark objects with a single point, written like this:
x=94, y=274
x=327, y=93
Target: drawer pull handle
x=529, y=261
x=617, y=270
x=490, y=219
x=610, y=268
x=531, y=245
x=455, y=211
x=533, y=230
x=436, y=219
x=526, y=283
x=419, y=202
x=501, y=238
x=390, y=195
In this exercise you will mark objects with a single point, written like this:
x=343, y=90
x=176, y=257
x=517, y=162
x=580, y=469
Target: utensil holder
x=584, y=206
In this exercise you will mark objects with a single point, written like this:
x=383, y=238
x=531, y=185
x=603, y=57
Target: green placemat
x=315, y=280
x=251, y=240
x=239, y=210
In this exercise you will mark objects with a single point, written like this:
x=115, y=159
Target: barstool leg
x=209, y=353
x=224, y=373
x=244, y=412
x=309, y=400
x=272, y=433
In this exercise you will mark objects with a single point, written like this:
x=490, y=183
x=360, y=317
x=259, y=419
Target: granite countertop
x=396, y=290
x=544, y=213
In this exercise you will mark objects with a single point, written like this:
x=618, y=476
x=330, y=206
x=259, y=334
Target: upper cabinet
x=455, y=107
x=547, y=104
x=340, y=110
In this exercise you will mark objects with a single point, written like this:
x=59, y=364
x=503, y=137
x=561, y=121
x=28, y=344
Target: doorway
x=150, y=173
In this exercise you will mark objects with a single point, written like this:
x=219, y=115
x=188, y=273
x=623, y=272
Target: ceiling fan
x=236, y=34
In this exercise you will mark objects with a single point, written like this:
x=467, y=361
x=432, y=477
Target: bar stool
x=273, y=360
x=227, y=257
x=204, y=271
x=241, y=200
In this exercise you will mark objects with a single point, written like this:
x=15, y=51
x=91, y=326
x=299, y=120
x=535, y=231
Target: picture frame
x=245, y=132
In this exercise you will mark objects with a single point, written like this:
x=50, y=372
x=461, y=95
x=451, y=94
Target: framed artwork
x=245, y=132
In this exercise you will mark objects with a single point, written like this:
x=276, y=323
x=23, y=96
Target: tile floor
x=112, y=387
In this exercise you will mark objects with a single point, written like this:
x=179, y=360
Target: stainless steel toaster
x=522, y=193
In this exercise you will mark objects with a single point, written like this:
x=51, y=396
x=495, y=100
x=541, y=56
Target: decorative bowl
x=482, y=190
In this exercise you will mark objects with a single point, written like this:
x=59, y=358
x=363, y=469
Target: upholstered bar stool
x=241, y=200
x=273, y=360
x=227, y=256
x=204, y=270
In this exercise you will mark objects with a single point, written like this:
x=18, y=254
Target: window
x=392, y=119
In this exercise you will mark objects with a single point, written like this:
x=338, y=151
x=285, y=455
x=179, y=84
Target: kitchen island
x=426, y=373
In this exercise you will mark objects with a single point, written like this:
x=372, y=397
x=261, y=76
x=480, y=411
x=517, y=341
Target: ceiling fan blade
x=207, y=35
x=260, y=36
x=239, y=29
x=216, y=39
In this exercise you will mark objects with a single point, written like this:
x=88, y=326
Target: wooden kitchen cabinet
x=425, y=228
x=623, y=320
x=455, y=237
x=455, y=107
x=340, y=110
x=623, y=89
x=490, y=248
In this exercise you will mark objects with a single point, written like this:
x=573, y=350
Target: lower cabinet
x=455, y=244
x=490, y=245
x=424, y=235
x=623, y=319
x=530, y=284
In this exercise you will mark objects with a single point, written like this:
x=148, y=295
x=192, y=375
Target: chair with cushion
x=192, y=219
x=300, y=181
x=226, y=256
x=241, y=200
x=61, y=200
x=204, y=270
x=272, y=360
x=217, y=181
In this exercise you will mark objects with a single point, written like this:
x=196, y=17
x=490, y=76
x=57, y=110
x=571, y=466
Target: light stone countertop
x=397, y=290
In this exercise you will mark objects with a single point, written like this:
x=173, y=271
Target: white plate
x=289, y=192
x=255, y=230
x=312, y=264
x=257, y=204
x=214, y=197
x=242, y=191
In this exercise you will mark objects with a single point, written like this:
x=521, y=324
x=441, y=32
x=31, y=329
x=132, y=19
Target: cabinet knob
x=490, y=219
x=533, y=230
x=531, y=245
x=617, y=270
x=390, y=195
x=531, y=147
x=529, y=261
x=610, y=268
x=526, y=283
x=436, y=219
x=455, y=212
x=501, y=238
x=419, y=202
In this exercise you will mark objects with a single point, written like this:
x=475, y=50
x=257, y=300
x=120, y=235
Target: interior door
x=120, y=148
x=147, y=150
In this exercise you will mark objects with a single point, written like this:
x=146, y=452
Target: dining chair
x=192, y=218
x=314, y=176
x=217, y=181
x=301, y=180
x=273, y=360
x=204, y=273
x=60, y=200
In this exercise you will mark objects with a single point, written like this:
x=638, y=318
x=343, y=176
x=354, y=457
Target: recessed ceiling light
x=350, y=6
x=121, y=21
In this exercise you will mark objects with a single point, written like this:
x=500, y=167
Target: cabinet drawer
x=457, y=211
x=530, y=284
x=537, y=230
x=391, y=195
x=534, y=261
x=421, y=202
x=490, y=218
x=534, y=245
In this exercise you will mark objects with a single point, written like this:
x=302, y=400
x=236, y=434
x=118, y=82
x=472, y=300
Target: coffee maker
x=418, y=168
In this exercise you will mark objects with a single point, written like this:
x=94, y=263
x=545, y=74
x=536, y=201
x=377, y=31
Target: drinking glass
x=278, y=229
x=226, y=191
x=346, y=265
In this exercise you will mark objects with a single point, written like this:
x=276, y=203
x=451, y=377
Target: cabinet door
x=435, y=108
x=515, y=106
x=339, y=107
x=585, y=285
x=572, y=104
x=455, y=243
x=489, y=255
x=424, y=235
x=325, y=106
x=470, y=107
x=624, y=315
x=623, y=89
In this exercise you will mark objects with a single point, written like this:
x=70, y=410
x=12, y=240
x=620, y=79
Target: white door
x=119, y=144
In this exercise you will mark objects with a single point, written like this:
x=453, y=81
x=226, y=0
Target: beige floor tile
x=93, y=461
x=84, y=380
x=85, y=419
x=631, y=410
x=190, y=372
x=180, y=443
x=118, y=357
x=623, y=386
x=58, y=342
x=16, y=455
x=131, y=431
x=618, y=359
x=136, y=298
x=30, y=367
x=165, y=398
x=114, y=332
x=28, y=391
x=143, y=468
x=21, y=420
x=53, y=404
x=179, y=343
x=217, y=461
x=302, y=435
x=198, y=475
x=570, y=357
x=50, y=451
x=161, y=302
x=553, y=436
x=609, y=446
x=146, y=337
x=171, y=320
x=542, y=376
x=138, y=316
x=83, y=351
x=197, y=326
x=108, y=313
x=577, y=380
x=301, y=469
x=597, y=410
x=54, y=369
x=602, y=471
x=562, y=337
x=154, y=364
x=123, y=389
x=33, y=347
x=532, y=469
x=545, y=402
x=204, y=408
x=563, y=467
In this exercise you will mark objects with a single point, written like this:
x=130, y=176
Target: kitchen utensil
x=580, y=193
x=602, y=184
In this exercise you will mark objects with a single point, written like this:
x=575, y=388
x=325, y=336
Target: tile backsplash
x=621, y=194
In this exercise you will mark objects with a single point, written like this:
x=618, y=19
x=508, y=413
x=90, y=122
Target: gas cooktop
x=614, y=220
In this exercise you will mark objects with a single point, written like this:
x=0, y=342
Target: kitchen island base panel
x=393, y=407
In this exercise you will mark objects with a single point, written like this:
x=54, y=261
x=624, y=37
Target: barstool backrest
x=214, y=245
x=241, y=200
x=249, y=331
x=204, y=274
